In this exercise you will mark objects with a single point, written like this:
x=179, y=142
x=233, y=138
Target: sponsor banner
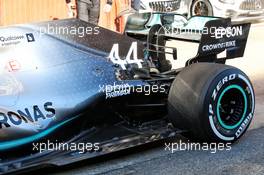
x=15, y=39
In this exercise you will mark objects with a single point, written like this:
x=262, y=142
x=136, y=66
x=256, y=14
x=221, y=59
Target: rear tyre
x=214, y=102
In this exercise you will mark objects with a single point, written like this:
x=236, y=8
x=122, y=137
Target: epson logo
x=228, y=32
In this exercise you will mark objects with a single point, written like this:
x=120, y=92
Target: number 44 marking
x=131, y=58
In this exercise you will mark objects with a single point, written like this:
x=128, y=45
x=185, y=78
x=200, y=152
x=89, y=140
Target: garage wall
x=25, y=11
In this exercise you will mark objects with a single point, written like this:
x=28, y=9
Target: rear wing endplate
x=220, y=36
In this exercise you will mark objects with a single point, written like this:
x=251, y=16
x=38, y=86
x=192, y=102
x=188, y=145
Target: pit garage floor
x=246, y=157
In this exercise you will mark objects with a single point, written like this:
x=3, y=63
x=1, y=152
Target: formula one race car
x=70, y=91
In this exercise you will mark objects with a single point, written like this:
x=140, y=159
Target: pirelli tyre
x=214, y=102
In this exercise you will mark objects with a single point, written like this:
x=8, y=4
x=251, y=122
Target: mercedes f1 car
x=70, y=91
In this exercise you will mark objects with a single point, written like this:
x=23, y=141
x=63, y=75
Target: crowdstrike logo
x=211, y=47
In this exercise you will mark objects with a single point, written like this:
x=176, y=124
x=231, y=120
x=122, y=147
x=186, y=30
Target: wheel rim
x=232, y=107
x=202, y=8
